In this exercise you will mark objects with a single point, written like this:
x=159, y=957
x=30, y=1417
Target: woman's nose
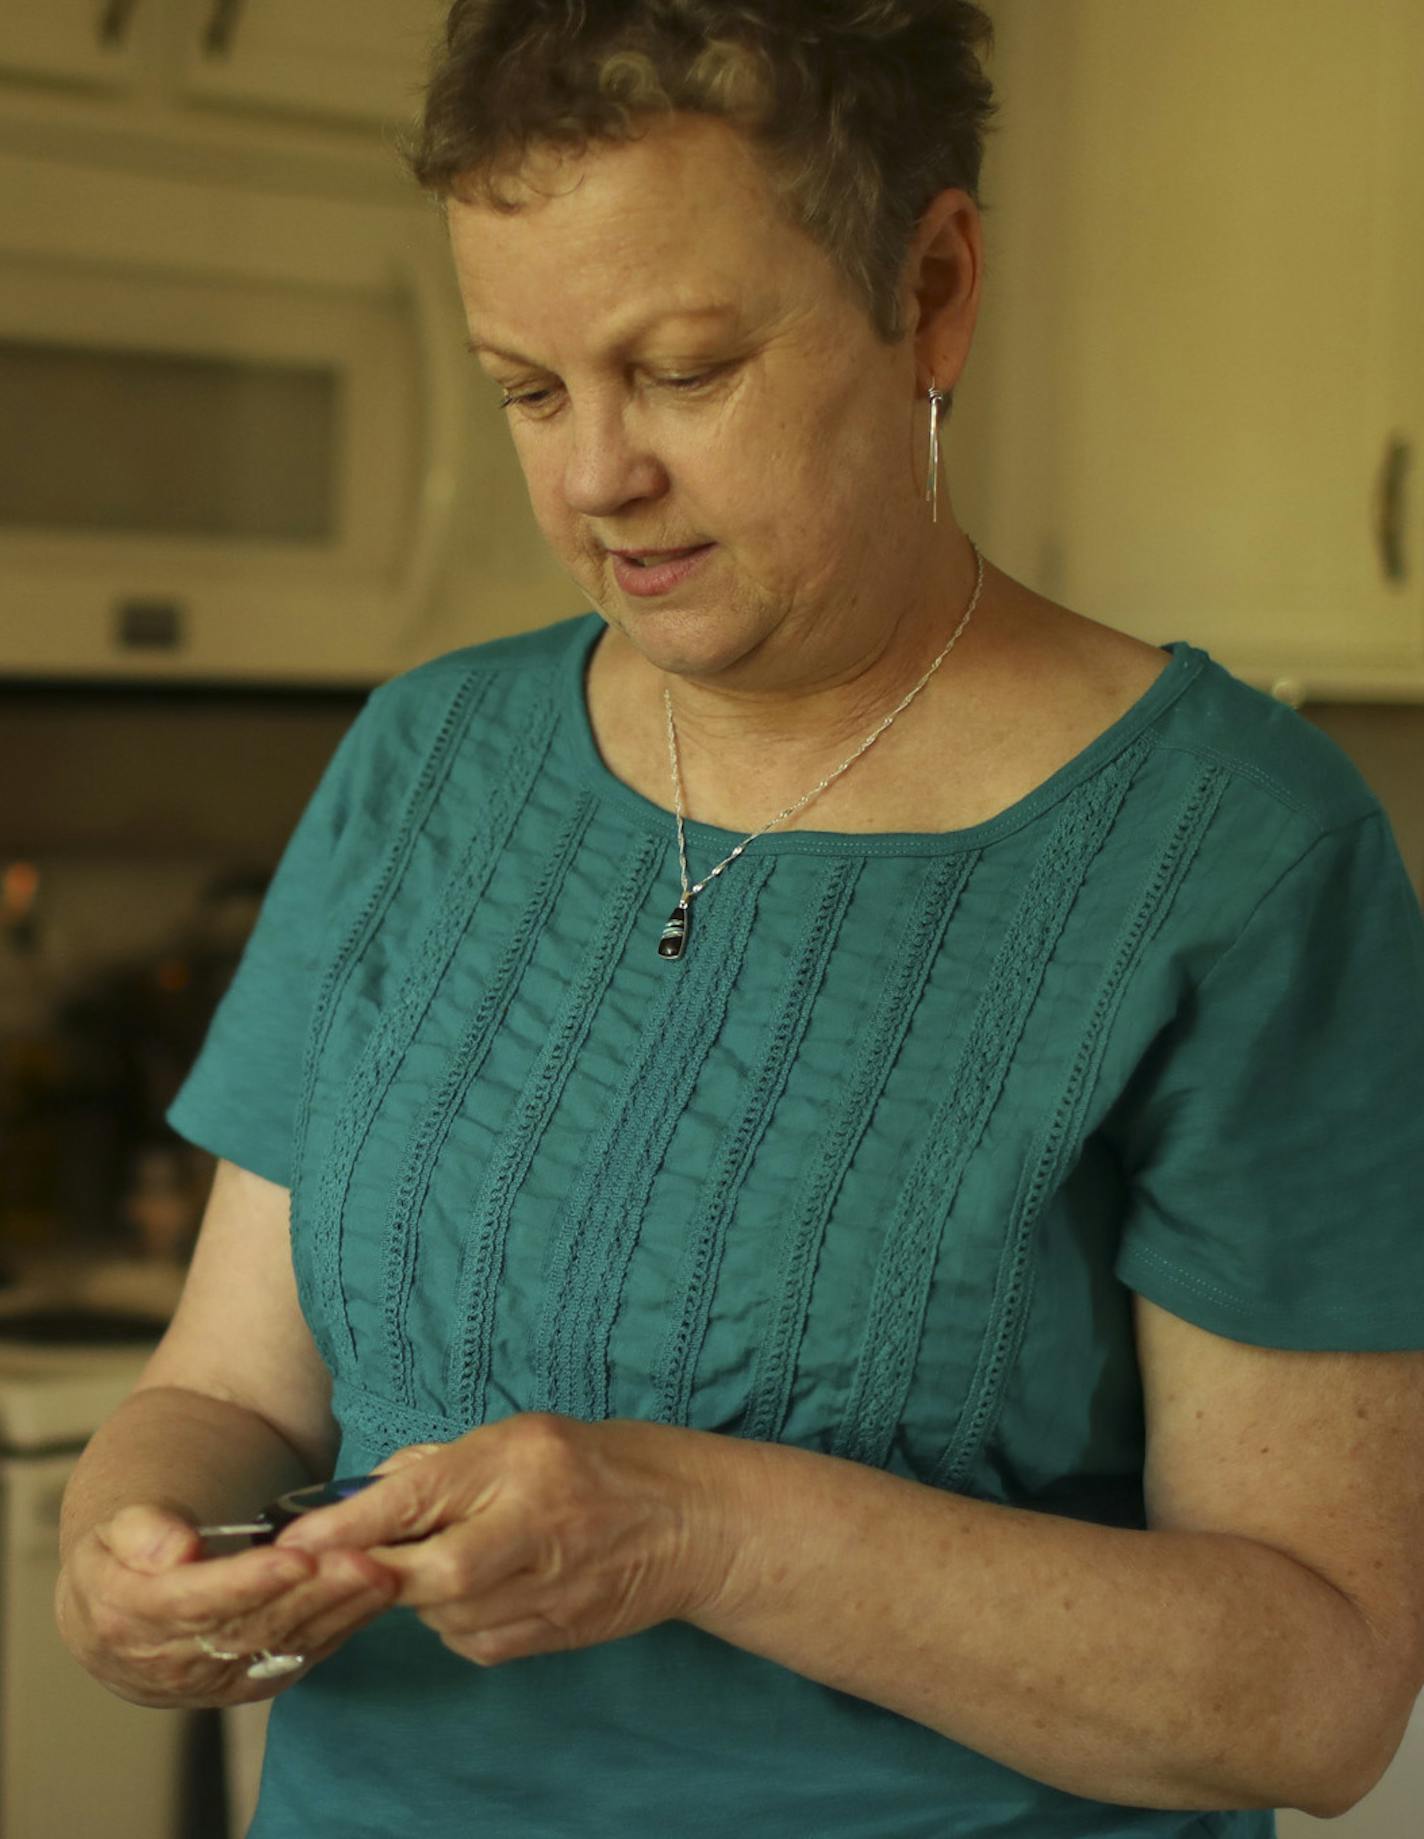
x=607, y=464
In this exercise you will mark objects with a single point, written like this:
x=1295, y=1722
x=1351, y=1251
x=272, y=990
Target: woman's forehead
x=690, y=187
x=631, y=328
x=632, y=235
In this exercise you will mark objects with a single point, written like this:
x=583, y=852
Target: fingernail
x=167, y=1544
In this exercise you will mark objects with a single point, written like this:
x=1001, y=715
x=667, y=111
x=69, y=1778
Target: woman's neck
x=795, y=701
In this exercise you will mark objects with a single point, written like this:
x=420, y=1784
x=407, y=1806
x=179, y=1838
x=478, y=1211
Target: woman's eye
x=533, y=400
x=536, y=399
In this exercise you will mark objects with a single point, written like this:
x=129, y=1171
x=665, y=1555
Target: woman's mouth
x=657, y=572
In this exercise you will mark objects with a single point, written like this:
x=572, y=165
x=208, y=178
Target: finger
x=491, y=1647
x=409, y=1504
x=216, y=1590
x=402, y=1458
x=415, y=1584
x=458, y=1565
x=155, y=1569
x=150, y=1540
x=326, y=1628
x=342, y=1580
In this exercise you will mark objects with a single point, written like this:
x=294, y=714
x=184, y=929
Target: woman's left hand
x=541, y=1533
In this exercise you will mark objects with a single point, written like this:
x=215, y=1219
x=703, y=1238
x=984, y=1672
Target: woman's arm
x=232, y=1409
x=234, y=1405
x=200, y=1458
x=1151, y=1669
x=1261, y=1645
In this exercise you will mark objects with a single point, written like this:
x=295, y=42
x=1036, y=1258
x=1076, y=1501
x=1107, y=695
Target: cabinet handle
x=1389, y=508
x=114, y=22
x=221, y=31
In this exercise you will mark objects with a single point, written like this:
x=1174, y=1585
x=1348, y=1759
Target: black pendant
x=674, y=940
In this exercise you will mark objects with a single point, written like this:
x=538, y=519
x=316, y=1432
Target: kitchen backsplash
x=137, y=836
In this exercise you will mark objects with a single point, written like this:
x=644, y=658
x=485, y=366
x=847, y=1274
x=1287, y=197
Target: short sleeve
x=240, y=1097
x=1273, y=1138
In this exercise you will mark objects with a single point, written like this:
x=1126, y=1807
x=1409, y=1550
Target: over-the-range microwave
x=233, y=427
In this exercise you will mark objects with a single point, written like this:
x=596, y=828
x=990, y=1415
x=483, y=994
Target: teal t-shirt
x=872, y=1170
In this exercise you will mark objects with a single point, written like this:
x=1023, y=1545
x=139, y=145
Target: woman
x=798, y=1157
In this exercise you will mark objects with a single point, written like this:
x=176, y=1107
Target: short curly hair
x=862, y=110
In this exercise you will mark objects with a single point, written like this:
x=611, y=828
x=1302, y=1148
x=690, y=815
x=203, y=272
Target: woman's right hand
x=136, y=1592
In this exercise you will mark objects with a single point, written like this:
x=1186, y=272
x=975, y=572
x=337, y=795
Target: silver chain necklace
x=679, y=927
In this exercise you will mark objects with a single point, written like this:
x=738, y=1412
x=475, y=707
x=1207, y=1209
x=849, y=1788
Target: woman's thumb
x=151, y=1539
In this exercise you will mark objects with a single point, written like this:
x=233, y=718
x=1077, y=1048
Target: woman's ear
x=943, y=276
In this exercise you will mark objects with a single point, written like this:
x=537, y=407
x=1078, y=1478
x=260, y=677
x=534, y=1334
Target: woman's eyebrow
x=714, y=310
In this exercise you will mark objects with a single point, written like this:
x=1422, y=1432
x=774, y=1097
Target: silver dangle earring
x=937, y=401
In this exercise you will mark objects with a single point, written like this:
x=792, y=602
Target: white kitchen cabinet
x=74, y=1759
x=1198, y=384
x=75, y=41
x=352, y=63
x=74, y=1756
x=361, y=60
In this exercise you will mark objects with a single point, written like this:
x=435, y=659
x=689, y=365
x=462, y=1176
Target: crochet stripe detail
x=390, y=1040
x=908, y=1258
x=318, y=1276
x=598, y=1226
x=796, y=1249
x=676, y=1364
x=378, y=1427
x=433, y=1123
x=483, y=1253
x=1063, y=1134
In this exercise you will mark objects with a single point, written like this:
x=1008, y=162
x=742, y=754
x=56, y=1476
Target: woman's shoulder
x=1273, y=782
x=445, y=724
x=1269, y=748
x=500, y=685
x=539, y=651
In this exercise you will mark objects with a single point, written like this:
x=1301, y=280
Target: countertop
x=77, y=1324
x=82, y=1279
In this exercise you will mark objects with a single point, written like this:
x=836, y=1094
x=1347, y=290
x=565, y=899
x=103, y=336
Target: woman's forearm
x=1154, y=1669
x=200, y=1457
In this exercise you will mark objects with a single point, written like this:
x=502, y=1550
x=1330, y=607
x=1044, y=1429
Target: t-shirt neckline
x=1187, y=661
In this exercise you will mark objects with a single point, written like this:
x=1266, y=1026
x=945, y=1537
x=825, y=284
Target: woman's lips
x=646, y=583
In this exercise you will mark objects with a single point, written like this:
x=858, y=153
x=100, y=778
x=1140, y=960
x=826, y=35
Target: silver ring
x=272, y=1666
x=215, y=1653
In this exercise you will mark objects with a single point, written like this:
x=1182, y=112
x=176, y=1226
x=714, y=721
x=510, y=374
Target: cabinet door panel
x=357, y=60
x=1211, y=308
x=78, y=41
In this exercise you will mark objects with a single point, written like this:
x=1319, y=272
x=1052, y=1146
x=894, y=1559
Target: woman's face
x=690, y=369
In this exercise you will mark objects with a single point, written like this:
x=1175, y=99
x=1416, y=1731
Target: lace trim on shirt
x=597, y=1230
x=382, y=1426
x=905, y=1270
x=676, y=1367
x=483, y=1252
x=797, y=1248
x=389, y=1041
x=1043, y=1177
x=321, y=1288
